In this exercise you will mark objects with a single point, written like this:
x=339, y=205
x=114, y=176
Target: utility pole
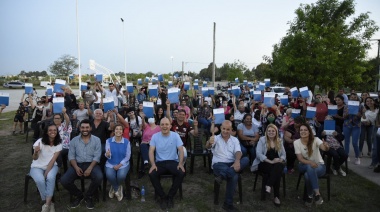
x=213, y=59
x=125, y=54
x=183, y=67
x=378, y=63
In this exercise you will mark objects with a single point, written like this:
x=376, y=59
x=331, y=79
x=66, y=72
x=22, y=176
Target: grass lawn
x=351, y=193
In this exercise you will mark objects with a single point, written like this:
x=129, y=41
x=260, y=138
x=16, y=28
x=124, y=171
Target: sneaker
x=76, y=202
x=163, y=204
x=309, y=201
x=348, y=159
x=45, y=208
x=361, y=155
x=357, y=161
x=119, y=193
x=89, y=203
x=111, y=193
x=318, y=200
x=52, y=209
x=334, y=172
x=267, y=189
x=170, y=202
x=341, y=172
x=219, y=179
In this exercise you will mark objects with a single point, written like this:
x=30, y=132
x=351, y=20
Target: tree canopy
x=324, y=45
x=64, y=66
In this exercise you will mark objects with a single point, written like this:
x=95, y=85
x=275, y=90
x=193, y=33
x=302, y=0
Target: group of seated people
x=268, y=138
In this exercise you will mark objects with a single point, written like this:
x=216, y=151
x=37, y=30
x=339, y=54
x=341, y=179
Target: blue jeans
x=206, y=123
x=144, y=150
x=375, y=146
x=67, y=180
x=355, y=133
x=366, y=134
x=45, y=186
x=251, y=149
x=116, y=178
x=311, y=176
x=228, y=173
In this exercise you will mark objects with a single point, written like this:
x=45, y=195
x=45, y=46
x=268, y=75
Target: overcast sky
x=36, y=33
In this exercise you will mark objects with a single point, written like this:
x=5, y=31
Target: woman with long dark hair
x=310, y=162
x=44, y=166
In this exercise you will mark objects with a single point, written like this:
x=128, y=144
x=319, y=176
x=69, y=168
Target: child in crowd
x=20, y=115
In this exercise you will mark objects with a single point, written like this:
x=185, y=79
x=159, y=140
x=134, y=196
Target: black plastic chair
x=217, y=189
x=326, y=177
x=199, y=150
x=127, y=190
x=257, y=173
x=26, y=185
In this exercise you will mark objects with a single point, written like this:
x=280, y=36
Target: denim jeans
x=355, y=133
x=45, y=186
x=251, y=149
x=166, y=167
x=366, y=134
x=116, y=178
x=67, y=180
x=339, y=157
x=311, y=176
x=228, y=173
x=144, y=150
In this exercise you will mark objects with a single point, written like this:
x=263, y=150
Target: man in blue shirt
x=84, y=156
x=167, y=161
x=227, y=161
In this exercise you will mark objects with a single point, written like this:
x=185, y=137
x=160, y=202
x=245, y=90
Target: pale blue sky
x=35, y=33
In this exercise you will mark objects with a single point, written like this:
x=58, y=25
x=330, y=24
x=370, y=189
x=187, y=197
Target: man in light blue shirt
x=84, y=156
x=167, y=161
x=227, y=161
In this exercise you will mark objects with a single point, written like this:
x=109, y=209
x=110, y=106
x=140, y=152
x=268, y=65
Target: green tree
x=237, y=70
x=206, y=73
x=64, y=66
x=325, y=45
x=262, y=71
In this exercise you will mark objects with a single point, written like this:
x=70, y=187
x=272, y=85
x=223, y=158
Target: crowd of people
x=269, y=138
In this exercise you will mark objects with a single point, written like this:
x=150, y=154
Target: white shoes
x=334, y=171
x=119, y=193
x=111, y=193
x=357, y=161
x=341, y=172
x=45, y=208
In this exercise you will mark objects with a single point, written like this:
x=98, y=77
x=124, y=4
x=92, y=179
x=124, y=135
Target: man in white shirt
x=112, y=92
x=227, y=161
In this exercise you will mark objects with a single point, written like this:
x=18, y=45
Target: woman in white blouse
x=44, y=166
x=310, y=162
x=368, y=122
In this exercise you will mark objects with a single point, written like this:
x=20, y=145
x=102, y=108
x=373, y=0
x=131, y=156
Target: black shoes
x=76, y=202
x=89, y=203
x=377, y=169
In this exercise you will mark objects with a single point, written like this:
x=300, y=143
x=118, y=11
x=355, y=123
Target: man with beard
x=84, y=156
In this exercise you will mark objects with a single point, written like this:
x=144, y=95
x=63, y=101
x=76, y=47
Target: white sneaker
x=45, y=208
x=111, y=193
x=341, y=172
x=357, y=161
x=348, y=159
x=119, y=193
x=334, y=171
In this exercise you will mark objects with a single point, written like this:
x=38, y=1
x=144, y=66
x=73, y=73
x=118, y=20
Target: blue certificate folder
x=332, y=110
x=310, y=112
x=108, y=104
x=296, y=113
x=219, y=115
x=269, y=99
x=353, y=107
x=58, y=104
x=294, y=92
x=304, y=92
x=153, y=90
x=148, y=109
x=173, y=95
x=329, y=126
x=28, y=88
x=4, y=99
x=99, y=77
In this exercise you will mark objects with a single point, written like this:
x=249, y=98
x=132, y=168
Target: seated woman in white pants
x=44, y=166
